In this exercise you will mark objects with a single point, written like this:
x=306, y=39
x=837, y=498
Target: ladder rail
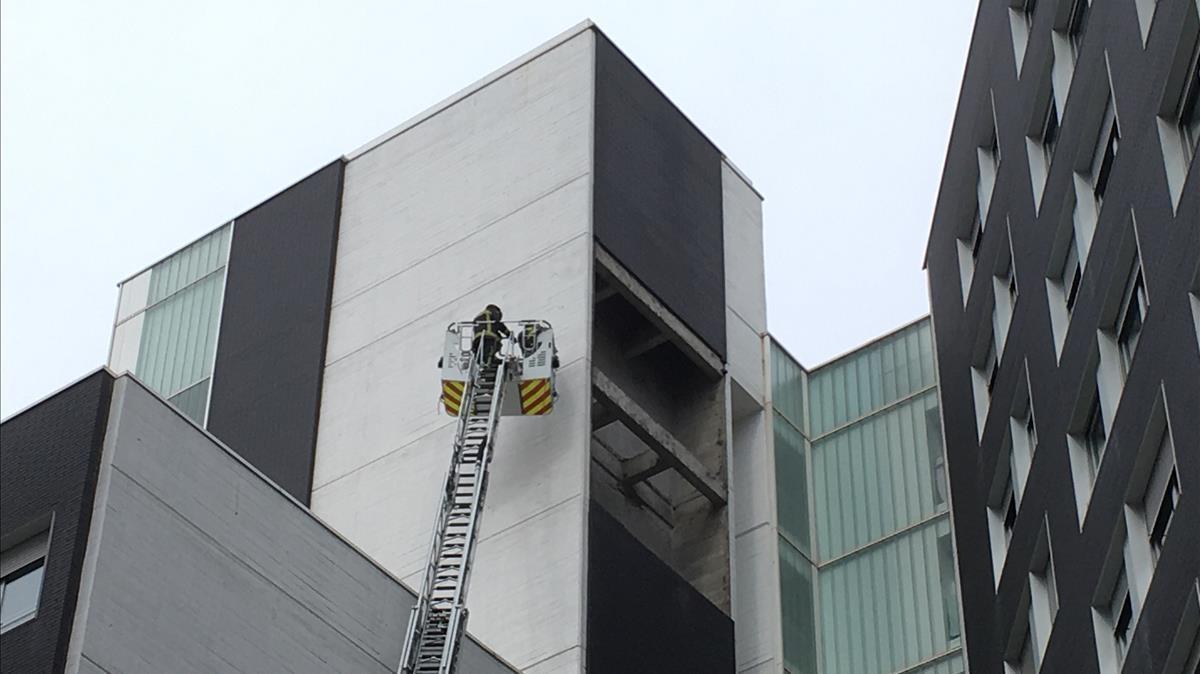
x=441, y=623
x=459, y=612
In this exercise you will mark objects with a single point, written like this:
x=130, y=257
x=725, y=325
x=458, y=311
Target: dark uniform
x=488, y=332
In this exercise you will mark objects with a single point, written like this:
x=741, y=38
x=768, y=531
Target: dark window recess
x=949, y=595
x=1050, y=130
x=991, y=365
x=1009, y=507
x=1170, y=499
x=976, y=237
x=1094, y=434
x=1104, y=171
x=1071, y=274
x=1077, y=24
x=1129, y=324
x=1189, y=109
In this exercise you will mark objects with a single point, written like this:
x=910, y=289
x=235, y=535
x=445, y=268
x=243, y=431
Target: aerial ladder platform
x=517, y=381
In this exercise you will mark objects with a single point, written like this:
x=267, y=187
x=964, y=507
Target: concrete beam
x=670, y=450
x=616, y=275
x=644, y=345
x=642, y=467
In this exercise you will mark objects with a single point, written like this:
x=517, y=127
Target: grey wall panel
x=49, y=458
x=657, y=203
x=641, y=615
x=266, y=390
x=204, y=566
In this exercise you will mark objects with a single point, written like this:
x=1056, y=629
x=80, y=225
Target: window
x=1087, y=435
x=21, y=570
x=1020, y=15
x=1162, y=496
x=1145, y=15
x=1094, y=436
x=1153, y=487
x=989, y=158
x=1043, y=592
x=1021, y=655
x=1106, y=154
x=949, y=592
x=975, y=239
x=1004, y=287
x=1049, y=131
x=1115, y=605
x=991, y=366
x=19, y=592
x=1120, y=613
x=1132, y=316
x=1076, y=24
x=1003, y=505
x=969, y=244
x=1178, y=111
x=1071, y=274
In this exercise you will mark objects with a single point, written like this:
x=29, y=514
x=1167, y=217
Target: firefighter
x=488, y=332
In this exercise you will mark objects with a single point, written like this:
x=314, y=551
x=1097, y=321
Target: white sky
x=127, y=129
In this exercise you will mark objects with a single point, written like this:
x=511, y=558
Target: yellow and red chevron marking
x=452, y=392
x=536, y=397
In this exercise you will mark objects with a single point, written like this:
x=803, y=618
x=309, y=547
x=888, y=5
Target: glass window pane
x=193, y=401
x=20, y=595
x=796, y=595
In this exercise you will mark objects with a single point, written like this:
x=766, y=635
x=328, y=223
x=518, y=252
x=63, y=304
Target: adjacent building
x=1064, y=279
x=850, y=538
x=134, y=541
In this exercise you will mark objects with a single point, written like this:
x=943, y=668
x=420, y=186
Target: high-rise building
x=850, y=533
x=1064, y=277
x=565, y=187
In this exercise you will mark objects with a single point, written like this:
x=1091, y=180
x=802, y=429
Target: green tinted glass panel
x=189, y=265
x=877, y=476
x=179, y=335
x=193, y=401
x=951, y=664
x=862, y=382
x=791, y=479
x=883, y=610
x=787, y=386
x=796, y=597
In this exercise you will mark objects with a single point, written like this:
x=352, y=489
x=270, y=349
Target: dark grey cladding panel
x=657, y=201
x=644, y=617
x=266, y=392
x=49, y=462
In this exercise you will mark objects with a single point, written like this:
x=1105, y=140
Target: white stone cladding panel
x=756, y=596
x=475, y=263
x=485, y=201
x=752, y=478
x=532, y=472
x=745, y=288
x=384, y=396
x=469, y=165
x=746, y=355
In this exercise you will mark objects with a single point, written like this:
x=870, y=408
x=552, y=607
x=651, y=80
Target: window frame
x=38, y=566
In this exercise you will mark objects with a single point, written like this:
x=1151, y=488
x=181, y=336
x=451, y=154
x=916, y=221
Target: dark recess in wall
x=657, y=201
x=644, y=617
x=49, y=462
x=266, y=393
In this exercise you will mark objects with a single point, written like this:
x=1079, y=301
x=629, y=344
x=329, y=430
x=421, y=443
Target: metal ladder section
x=439, y=617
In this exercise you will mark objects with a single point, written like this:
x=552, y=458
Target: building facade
x=861, y=523
x=133, y=541
x=1064, y=279
x=564, y=187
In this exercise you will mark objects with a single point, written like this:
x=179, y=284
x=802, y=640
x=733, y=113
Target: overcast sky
x=130, y=128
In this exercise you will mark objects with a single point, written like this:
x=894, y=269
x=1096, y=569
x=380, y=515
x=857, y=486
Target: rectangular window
x=1132, y=316
x=1162, y=495
x=1076, y=24
x=1049, y=131
x=991, y=365
x=1108, y=143
x=975, y=239
x=1071, y=274
x=949, y=593
x=1094, y=435
x=1120, y=613
x=21, y=569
